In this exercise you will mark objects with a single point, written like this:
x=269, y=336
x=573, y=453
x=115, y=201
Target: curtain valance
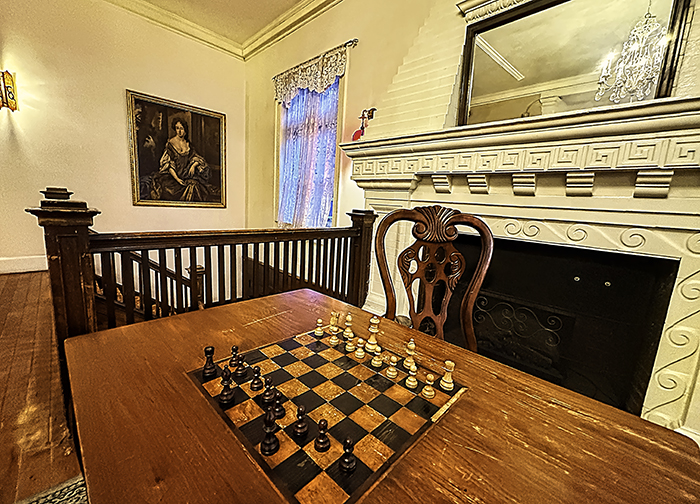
x=316, y=74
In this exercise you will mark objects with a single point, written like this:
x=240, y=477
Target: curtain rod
x=349, y=43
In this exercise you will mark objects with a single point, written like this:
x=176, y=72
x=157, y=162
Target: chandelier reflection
x=638, y=68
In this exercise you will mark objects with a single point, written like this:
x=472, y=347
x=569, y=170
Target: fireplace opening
x=586, y=319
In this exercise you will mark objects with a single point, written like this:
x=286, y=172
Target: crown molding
x=285, y=24
x=279, y=28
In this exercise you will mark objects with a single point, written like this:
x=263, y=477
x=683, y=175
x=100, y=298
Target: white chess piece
x=446, y=382
x=428, y=391
x=347, y=333
x=411, y=381
x=373, y=330
x=360, y=352
x=319, y=328
x=410, y=351
x=392, y=372
x=377, y=359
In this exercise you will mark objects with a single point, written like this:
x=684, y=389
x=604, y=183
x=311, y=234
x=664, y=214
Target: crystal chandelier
x=637, y=70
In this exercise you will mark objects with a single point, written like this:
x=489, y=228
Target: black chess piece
x=322, y=443
x=270, y=444
x=233, y=362
x=301, y=427
x=348, y=461
x=209, y=370
x=227, y=393
x=268, y=397
x=241, y=371
x=278, y=409
x=257, y=383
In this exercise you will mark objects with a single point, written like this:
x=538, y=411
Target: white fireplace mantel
x=620, y=178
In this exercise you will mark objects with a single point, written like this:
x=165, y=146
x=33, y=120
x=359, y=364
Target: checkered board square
x=381, y=415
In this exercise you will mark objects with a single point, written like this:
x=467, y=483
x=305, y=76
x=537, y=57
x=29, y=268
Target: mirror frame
x=676, y=27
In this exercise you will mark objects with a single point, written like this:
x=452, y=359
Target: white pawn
x=446, y=382
x=428, y=391
x=392, y=372
x=377, y=359
x=334, y=340
x=334, y=329
x=347, y=333
x=319, y=328
x=410, y=351
x=360, y=352
x=411, y=381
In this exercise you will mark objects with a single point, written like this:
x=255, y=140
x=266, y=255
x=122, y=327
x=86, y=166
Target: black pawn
x=268, y=397
x=270, y=444
x=257, y=383
x=348, y=461
x=322, y=443
x=226, y=395
x=278, y=409
x=301, y=427
x=241, y=371
x=209, y=366
x=233, y=362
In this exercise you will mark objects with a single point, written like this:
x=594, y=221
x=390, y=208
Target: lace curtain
x=309, y=124
x=307, y=158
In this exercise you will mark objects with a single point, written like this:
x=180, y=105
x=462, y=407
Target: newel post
x=362, y=220
x=66, y=224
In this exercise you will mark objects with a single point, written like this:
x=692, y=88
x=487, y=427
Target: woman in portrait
x=183, y=174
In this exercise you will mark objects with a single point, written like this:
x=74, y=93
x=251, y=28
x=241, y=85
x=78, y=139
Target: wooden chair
x=436, y=264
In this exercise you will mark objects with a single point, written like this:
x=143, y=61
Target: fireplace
x=585, y=319
x=622, y=182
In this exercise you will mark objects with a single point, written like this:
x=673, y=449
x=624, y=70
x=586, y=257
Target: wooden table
x=148, y=435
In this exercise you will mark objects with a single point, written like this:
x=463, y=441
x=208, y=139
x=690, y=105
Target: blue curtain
x=307, y=158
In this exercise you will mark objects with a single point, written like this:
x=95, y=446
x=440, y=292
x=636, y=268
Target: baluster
x=234, y=276
x=276, y=271
x=289, y=266
x=266, y=268
x=333, y=283
x=302, y=263
x=178, y=280
x=222, y=278
x=163, y=267
x=195, y=287
x=128, y=286
x=146, y=297
x=109, y=286
x=208, y=280
x=343, y=274
x=317, y=263
x=254, y=287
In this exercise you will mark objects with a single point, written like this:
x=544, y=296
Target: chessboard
x=383, y=417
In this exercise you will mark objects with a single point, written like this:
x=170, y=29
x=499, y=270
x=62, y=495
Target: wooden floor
x=36, y=450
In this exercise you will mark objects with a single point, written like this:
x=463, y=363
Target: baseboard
x=22, y=264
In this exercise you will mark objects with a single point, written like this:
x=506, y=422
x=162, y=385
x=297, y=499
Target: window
x=308, y=96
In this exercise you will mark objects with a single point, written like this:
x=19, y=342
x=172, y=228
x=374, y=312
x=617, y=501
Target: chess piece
x=334, y=329
x=334, y=340
x=377, y=359
x=318, y=332
x=241, y=370
x=209, y=370
x=322, y=443
x=257, y=383
x=410, y=352
x=411, y=381
x=268, y=397
x=373, y=330
x=301, y=427
x=348, y=461
x=347, y=333
x=278, y=409
x=392, y=372
x=270, y=444
x=227, y=393
x=233, y=361
x=428, y=391
x=360, y=352
x=446, y=382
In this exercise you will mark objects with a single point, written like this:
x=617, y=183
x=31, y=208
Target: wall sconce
x=8, y=91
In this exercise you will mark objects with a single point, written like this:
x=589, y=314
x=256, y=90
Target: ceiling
x=236, y=20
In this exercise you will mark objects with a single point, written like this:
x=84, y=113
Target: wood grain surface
x=147, y=435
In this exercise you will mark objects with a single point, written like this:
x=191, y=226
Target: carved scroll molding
x=476, y=10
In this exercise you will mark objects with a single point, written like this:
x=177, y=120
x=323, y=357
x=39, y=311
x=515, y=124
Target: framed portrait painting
x=177, y=153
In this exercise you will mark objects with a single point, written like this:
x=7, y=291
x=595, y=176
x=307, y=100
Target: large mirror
x=550, y=56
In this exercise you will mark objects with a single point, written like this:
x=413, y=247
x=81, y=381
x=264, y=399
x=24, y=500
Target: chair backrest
x=436, y=264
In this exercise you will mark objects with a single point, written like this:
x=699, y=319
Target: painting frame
x=177, y=153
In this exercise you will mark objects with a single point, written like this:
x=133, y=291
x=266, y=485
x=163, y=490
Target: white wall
x=74, y=60
x=385, y=30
